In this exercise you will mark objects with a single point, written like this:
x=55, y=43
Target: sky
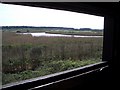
x=16, y=15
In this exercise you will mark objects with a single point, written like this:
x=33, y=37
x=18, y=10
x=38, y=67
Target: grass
x=47, y=68
x=27, y=57
x=84, y=33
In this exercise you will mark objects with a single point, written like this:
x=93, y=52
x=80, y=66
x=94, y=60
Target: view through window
x=40, y=41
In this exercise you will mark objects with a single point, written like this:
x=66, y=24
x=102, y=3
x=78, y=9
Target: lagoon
x=55, y=35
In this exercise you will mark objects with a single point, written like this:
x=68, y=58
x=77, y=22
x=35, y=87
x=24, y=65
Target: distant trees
x=22, y=32
x=46, y=28
x=85, y=29
x=18, y=31
x=28, y=31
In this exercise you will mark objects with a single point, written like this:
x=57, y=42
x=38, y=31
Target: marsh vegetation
x=25, y=56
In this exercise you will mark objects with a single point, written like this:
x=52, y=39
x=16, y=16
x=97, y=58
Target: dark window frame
x=44, y=81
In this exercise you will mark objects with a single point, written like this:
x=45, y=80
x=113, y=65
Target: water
x=54, y=35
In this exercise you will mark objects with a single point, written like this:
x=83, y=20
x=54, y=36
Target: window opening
x=40, y=41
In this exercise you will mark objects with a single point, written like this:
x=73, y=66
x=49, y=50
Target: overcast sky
x=16, y=15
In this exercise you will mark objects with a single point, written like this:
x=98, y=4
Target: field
x=27, y=57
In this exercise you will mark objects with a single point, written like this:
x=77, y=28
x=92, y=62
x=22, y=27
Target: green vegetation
x=54, y=30
x=47, y=68
x=73, y=32
x=27, y=57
